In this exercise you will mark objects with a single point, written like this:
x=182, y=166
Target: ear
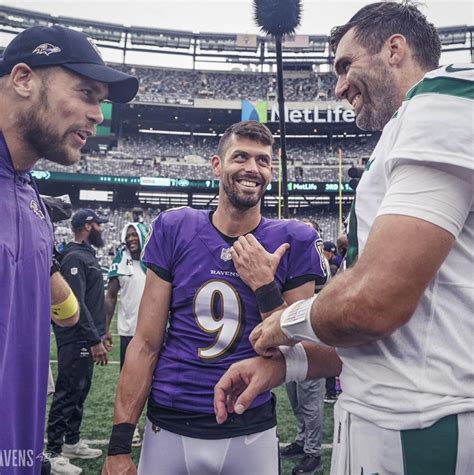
x=397, y=48
x=216, y=165
x=23, y=80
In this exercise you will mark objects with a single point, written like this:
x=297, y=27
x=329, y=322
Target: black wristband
x=120, y=442
x=269, y=297
x=55, y=267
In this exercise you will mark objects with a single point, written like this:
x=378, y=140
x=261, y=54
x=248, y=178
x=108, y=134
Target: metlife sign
x=259, y=111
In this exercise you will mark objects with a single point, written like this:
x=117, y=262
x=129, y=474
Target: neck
x=135, y=255
x=409, y=78
x=23, y=156
x=81, y=237
x=234, y=222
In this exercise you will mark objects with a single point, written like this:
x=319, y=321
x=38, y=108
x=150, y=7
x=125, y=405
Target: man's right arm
x=110, y=303
x=142, y=354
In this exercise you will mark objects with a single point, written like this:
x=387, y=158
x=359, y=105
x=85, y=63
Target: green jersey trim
x=353, y=247
x=443, y=85
x=432, y=450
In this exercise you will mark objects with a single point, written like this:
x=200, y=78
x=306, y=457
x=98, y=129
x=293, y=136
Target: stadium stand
x=179, y=86
x=186, y=157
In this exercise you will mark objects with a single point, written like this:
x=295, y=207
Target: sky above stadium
x=227, y=16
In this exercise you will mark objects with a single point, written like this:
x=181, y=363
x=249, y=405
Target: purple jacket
x=26, y=242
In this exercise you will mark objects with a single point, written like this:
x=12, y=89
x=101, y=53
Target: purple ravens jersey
x=212, y=311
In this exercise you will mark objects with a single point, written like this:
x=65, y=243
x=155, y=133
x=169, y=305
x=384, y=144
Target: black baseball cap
x=84, y=216
x=41, y=46
x=329, y=246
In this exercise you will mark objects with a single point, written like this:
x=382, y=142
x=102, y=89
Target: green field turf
x=97, y=421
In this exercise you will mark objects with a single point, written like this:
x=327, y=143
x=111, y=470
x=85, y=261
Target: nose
x=95, y=115
x=341, y=87
x=251, y=165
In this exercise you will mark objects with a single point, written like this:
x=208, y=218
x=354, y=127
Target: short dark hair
x=313, y=223
x=249, y=129
x=376, y=22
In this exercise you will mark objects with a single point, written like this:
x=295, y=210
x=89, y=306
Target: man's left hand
x=267, y=336
x=244, y=381
x=255, y=265
x=108, y=341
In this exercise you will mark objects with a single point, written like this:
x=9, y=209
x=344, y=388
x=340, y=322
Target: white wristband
x=296, y=362
x=295, y=321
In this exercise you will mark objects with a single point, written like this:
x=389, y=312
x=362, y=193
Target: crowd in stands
x=182, y=86
x=187, y=157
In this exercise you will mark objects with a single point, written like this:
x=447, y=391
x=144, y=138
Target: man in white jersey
x=401, y=317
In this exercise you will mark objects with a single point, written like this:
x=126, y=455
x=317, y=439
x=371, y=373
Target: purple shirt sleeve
x=304, y=257
x=158, y=251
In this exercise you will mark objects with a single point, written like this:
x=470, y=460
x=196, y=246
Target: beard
x=380, y=99
x=239, y=199
x=95, y=238
x=41, y=137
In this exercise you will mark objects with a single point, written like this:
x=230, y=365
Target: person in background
x=127, y=277
x=79, y=346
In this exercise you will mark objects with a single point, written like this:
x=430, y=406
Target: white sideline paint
x=110, y=362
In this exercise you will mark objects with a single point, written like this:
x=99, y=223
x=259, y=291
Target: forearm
x=304, y=291
x=110, y=304
x=134, y=382
x=339, y=317
x=265, y=315
x=323, y=361
x=142, y=352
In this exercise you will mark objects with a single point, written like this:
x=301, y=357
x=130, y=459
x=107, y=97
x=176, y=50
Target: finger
x=220, y=408
x=264, y=349
x=244, y=242
x=280, y=252
x=247, y=397
x=234, y=254
x=255, y=334
x=252, y=240
x=238, y=248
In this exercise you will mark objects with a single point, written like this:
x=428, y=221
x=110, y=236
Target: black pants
x=75, y=368
x=124, y=341
x=331, y=387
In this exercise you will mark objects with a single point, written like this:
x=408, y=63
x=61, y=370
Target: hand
x=267, y=336
x=99, y=354
x=255, y=265
x=119, y=465
x=108, y=341
x=244, y=381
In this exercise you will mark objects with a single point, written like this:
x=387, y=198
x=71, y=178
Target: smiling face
x=245, y=171
x=367, y=82
x=66, y=111
x=132, y=241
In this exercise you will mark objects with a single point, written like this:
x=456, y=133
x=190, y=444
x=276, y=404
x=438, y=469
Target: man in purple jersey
x=212, y=276
x=52, y=81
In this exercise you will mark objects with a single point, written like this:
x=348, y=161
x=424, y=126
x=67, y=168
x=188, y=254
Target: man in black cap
x=330, y=252
x=81, y=345
x=52, y=81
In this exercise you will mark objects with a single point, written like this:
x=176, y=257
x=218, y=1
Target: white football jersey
x=425, y=369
